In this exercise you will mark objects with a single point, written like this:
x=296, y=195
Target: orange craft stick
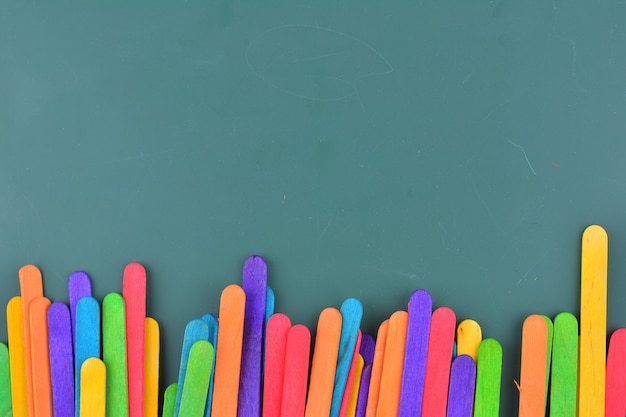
x=533, y=372
x=391, y=379
x=324, y=363
x=228, y=356
x=377, y=370
x=31, y=287
x=42, y=386
x=15, y=330
x=151, y=368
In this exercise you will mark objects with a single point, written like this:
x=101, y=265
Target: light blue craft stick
x=195, y=330
x=269, y=307
x=351, y=314
x=211, y=321
x=87, y=339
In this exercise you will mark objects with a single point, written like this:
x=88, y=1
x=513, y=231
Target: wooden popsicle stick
x=277, y=330
x=364, y=387
x=391, y=379
x=93, y=388
x=212, y=323
x=462, y=385
x=254, y=284
x=228, y=356
x=348, y=390
x=114, y=354
x=564, y=378
x=60, y=345
x=437, y=376
x=468, y=338
x=79, y=286
x=31, y=287
x=615, y=405
x=42, y=390
x=533, y=367
x=593, y=294
x=368, y=346
x=169, y=400
x=414, y=370
x=134, y=293
x=351, y=313
x=296, y=371
x=15, y=330
x=87, y=340
x=356, y=386
x=5, y=382
x=196, y=330
x=151, y=368
x=324, y=364
x=488, y=379
x=377, y=370
x=197, y=377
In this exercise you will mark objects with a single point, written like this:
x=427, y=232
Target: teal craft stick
x=114, y=354
x=87, y=339
x=200, y=364
x=211, y=321
x=195, y=331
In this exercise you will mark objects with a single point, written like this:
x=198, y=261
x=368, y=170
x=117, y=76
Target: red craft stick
x=278, y=327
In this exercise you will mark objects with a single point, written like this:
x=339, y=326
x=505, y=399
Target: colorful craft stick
x=391, y=379
x=324, y=364
x=468, y=338
x=5, y=382
x=593, y=293
x=348, y=390
x=462, y=384
x=79, y=286
x=228, y=356
x=533, y=371
x=60, y=345
x=615, y=405
x=377, y=370
x=414, y=370
x=114, y=354
x=15, y=330
x=254, y=284
x=277, y=330
x=564, y=378
x=351, y=313
x=364, y=387
x=87, y=340
x=368, y=346
x=488, y=379
x=151, y=369
x=169, y=400
x=134, y=293
x=212, y=323
x=197, y=377
x=356, y=386
x=196, y=330
x=42, y=391
x=296, y=371
x=92, y=387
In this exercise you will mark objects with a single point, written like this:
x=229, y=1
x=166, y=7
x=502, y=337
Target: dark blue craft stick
x=364, y=390
x=61, y=359
x=195, y=330
x=351, y=315
x=462, y=385
x=254, y=285
x=414, y=371
x=87, y=339
x=211, y=321
x=368, y=345
x=79, y=286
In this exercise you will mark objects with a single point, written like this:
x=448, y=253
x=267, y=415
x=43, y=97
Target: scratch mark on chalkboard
x=523, y=278
x=521, y=148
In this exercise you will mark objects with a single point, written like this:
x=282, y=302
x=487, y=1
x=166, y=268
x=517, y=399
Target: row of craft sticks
x=82, y=358
x=248, y=361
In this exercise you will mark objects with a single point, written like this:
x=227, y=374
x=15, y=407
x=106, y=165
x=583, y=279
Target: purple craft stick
x=368, y=345
x=414, y=371
x=79, y=286
x=61, y=360
x=255, y=286
x=462, y=384
x=364, y=389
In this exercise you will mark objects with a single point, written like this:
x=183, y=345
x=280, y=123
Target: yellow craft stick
x=151, y=369
x=15, y=330
x=42, y=388
x=468, y=338
x=593, y=293
x=31, y=287
x=93, y=388
x=356, y=385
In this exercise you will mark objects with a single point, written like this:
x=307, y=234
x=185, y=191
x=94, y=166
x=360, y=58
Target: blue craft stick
x=254, y=284
x=211, y=321
x=414, y=371
x=87, y=339
x=351, y=314
x=61, y=360
x=195, y=330
x=79, y=286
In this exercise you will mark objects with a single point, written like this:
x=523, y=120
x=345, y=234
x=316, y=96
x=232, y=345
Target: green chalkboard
x=364, y=148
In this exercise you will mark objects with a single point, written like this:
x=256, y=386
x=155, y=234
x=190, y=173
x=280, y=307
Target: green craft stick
x=5, y=382
x=114, y=354
x=548, y=356
x=169, y=400
x=488, y=378
x=197, y=378
x=564, y=366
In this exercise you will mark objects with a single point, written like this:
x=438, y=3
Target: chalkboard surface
x=364, y=149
